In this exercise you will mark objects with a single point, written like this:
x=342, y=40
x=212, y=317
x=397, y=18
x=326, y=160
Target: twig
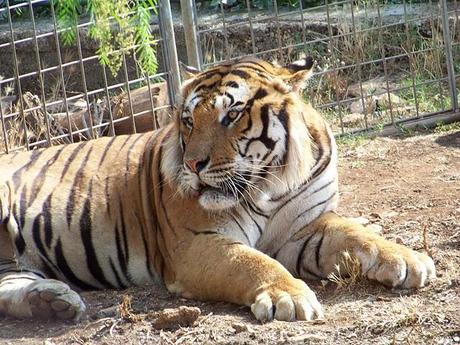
x=113, y=326
x=425, y=241
x=204, y=318
x=186, y=336
x=163, y=337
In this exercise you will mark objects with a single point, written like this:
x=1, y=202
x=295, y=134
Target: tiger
x=235, y=200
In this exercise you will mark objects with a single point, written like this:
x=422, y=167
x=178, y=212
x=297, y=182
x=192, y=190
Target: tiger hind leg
x=27, y=293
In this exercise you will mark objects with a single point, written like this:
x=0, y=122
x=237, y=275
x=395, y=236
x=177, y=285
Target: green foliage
x=67, y=14
x=118, y=26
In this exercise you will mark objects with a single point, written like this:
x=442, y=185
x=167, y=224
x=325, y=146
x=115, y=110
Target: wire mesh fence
x=55, y=93
x=378, y=62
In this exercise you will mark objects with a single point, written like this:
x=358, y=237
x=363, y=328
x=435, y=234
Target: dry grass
x=347, y=272
x=126, y=311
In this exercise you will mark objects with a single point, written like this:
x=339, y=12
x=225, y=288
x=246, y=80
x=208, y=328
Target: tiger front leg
x=24, y=292
x=316, y=251
x=213, y=267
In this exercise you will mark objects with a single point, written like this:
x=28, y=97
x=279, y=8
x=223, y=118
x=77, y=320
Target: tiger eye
x=233, y=114
x=187, y=121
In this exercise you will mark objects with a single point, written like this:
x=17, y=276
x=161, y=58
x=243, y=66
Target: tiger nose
x=196, y=166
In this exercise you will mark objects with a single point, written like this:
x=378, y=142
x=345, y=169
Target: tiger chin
x=233, y=201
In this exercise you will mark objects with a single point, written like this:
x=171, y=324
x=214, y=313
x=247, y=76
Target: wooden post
x=192, y=40
x=169, y=40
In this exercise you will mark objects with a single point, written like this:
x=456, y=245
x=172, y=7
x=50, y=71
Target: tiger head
x=240, y=133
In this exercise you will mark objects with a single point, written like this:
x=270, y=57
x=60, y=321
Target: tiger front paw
x=395, y=265
x=49, y=298
x=289, y=301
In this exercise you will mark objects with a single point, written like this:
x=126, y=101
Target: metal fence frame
x=165, y=49
x=193, y=34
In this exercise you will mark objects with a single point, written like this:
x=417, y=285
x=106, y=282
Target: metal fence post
x=192, y=40
x=448, y=50
x=170, y=44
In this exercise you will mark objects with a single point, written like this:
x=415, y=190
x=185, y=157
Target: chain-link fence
x=54, y=93
x=378, y=63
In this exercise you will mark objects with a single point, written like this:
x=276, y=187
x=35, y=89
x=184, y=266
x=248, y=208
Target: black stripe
x=241, y=228
x=256, y=210
x=306, y=184
x=87, y=240
x=38, y=182
x=233, y=84
x=147, y=165
x=46, y=212
x=263, y=138
x=284, y=119
x=117, y=277
x=146, y=246
x=140, y=167
x=299, y=266
x=241, y=74
x=69, y=161
x=318, y=252
x=254, y=221
x=301, y=254
x=323, y=160
x=67, y=272
x=75, y=190
x=19, y=243
x=106, y=150
x=22, y=207
x=253, y=62
x=17, y=176
x=260, y=93
x=229, y=95
x=47, y=269
x=36, y=230
x=407, y=275
x=208, y=75
x=120, y=255
x=207, y=86
x=123, y=230
x=23, y=270
x=318, y=204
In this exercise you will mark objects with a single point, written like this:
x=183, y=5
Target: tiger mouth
x=207, y=189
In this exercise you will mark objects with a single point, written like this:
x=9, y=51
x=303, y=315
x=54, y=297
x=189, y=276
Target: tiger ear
x=188, y=72
x=300, y=71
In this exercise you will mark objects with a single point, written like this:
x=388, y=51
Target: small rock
x=385, y=99
x=360, y=220
x=374, y=216
x=352, y=119
x=369, y=105
x=241, y=327
x=457, y=339
x=106, y=312
x=375, y=228
x=176, y=317
x=389, y=214
x=399, y=240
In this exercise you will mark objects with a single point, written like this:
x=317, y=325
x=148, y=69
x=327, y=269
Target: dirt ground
x=409, y=186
